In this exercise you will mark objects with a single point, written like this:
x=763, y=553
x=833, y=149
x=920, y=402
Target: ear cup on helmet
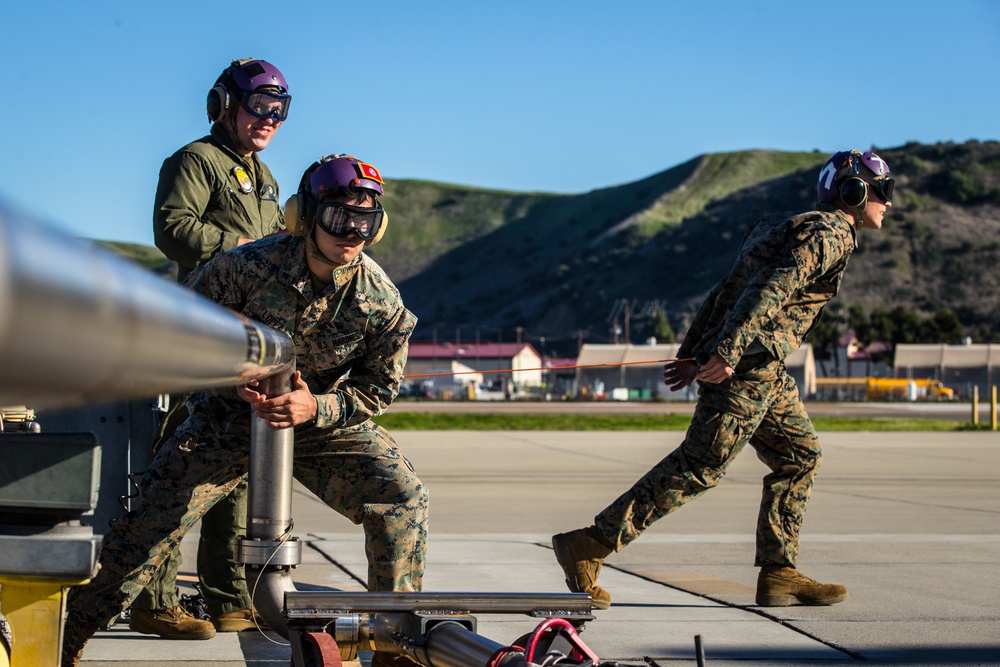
x=381, y=231
x=218, y=102
x=299, y=211
x=301, y=207
x=854, y=192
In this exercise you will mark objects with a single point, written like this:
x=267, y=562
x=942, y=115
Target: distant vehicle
x=892, y=389
x=885, y=389
x=493, y=390
x=417, y=390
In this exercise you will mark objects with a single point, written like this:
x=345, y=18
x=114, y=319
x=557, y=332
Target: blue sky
x=546, y=96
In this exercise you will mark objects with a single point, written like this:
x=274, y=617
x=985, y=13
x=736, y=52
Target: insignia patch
x=370, y=172
x=243, y=179
x=268, y=193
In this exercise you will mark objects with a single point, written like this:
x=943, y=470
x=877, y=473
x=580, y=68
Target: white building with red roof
x=496, y=362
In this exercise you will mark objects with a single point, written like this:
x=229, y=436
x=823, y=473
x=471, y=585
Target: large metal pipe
x=452, y=645
x=269, y=549
x=80, y=325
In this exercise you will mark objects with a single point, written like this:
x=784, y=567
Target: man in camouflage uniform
x=213, y=195
x=787, y=270
x=351, y=333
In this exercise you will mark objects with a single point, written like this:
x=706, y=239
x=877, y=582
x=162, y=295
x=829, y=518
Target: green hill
x=147, y=256
x=561, y=267
x=472, y=260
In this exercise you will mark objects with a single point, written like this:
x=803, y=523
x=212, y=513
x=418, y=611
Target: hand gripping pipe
x=80, y=325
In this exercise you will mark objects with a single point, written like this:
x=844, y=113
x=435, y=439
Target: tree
x=904, y=326
x=943, y=327
x=661, y=329
x=825, y=337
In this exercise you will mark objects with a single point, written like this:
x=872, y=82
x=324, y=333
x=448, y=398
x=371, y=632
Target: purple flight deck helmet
x=343, y=171
x=263, y=90
x=258, y=87
x=337, y=172
x=845, y=165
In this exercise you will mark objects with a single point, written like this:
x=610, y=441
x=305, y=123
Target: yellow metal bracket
x=34, y=607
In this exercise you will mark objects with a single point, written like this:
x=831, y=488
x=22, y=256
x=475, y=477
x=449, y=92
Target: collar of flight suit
x=226, y=142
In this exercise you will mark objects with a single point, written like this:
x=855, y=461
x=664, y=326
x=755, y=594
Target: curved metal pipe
x=80, y=325
x=269, y=590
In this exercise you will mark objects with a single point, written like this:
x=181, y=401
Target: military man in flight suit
x=216, y=194
x=351, y=334
x=787, y=270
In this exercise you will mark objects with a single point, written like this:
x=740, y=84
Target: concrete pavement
x=910, y=522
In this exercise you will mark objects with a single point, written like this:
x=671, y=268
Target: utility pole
x=628, y=315
x=519, y=330
x=478, y=365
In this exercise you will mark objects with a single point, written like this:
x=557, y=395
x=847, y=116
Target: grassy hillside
x=147, y=256
x=428, y=220
x=563, y=266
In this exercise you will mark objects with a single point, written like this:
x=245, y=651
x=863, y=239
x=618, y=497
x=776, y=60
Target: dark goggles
x=883, y=187
x=339, y=219
x=265, y=104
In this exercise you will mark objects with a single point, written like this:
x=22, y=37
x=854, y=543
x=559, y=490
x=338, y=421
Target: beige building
x=495, y=362
x=636, y=371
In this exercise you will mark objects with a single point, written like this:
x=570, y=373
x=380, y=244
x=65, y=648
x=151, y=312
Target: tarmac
x=909, y=522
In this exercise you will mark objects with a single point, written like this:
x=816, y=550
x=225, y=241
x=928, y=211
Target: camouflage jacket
x=787, y=270
x=208, y=196
x=351, y=339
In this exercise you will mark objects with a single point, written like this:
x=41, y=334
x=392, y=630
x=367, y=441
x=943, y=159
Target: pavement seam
x=753, y=610
x=329, y=559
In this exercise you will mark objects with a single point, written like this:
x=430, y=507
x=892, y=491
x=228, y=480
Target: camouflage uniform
x=351, y=345
x=203, y=208
x=787, y=270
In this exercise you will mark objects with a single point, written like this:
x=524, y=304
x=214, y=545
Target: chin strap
x=315, y=252
x=859, y=214
x=856, y=212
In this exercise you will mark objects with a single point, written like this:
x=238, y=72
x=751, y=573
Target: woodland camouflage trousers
x=359, y=472
x=761, y=407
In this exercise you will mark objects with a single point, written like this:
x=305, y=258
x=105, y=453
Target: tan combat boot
x=783, y=586
x=238, y=621
x=172, y=623
x=75, y=637
x=581, y=555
